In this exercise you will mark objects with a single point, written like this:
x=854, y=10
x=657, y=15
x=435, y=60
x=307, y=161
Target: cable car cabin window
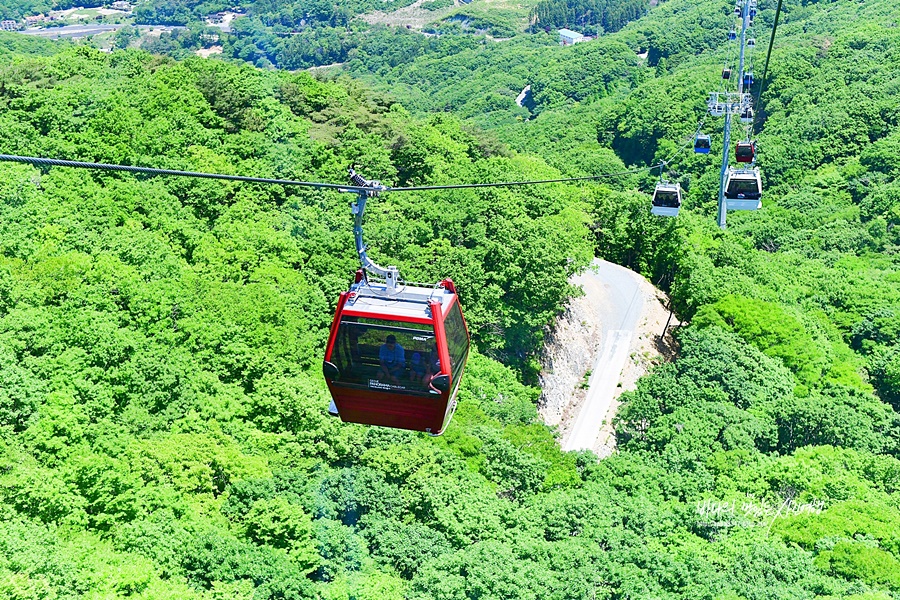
x=457, y=342
x=365, y=356
x=743, y=188
x=666, y=199
x=701, y=144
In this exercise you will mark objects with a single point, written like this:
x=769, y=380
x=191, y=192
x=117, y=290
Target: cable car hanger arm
x=366, y=189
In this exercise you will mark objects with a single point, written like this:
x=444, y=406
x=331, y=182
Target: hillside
x=163, y=427
x=829, y=215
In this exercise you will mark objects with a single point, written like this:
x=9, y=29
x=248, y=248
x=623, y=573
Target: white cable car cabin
x=747, y=115
x=743, y=189
x=666, y=199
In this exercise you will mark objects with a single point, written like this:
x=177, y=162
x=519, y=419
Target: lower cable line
x=55, y=162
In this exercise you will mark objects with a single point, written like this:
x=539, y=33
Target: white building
x=8, y=25
x=567, y=37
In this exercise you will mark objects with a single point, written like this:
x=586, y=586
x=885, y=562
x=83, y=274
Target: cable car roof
x=666, y=187
x=750, y=173
x=410, y=303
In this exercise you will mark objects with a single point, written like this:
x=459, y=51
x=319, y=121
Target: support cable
x=762, y=82
x=54, y=162
x=667, y=162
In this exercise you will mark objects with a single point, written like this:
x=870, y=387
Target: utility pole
x=729, y=106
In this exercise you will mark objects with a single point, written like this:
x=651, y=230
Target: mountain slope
x=162, y=420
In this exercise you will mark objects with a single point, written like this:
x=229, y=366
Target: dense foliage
x=162, y=420
x=16, y=9
x=309, y=33
x=594, y=16
x=295, y=14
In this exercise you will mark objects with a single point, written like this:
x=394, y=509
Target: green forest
x=163, y=418
x=592, y=16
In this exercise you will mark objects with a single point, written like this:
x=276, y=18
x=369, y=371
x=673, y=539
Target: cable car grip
x=390, y=274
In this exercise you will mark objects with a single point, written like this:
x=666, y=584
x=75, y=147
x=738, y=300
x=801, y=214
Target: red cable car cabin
x=745, y=152
x=410, y=383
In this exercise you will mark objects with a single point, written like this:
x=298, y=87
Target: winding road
x=616, y=291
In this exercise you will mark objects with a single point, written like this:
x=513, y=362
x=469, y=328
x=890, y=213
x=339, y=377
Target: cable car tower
x=736, y=184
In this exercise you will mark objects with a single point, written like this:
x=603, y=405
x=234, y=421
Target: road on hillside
x=72, y=31
x=80, y=31
x=616, y=291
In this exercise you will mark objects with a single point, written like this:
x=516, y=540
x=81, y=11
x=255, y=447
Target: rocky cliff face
x=570, y=352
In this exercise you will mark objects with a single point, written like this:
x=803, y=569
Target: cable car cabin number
x=395, y=358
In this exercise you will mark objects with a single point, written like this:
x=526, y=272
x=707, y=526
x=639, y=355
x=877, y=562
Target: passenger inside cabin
x=667, y=200
x=418, y=370
x=743, y=188
x=392, y=360
x=434, y=369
